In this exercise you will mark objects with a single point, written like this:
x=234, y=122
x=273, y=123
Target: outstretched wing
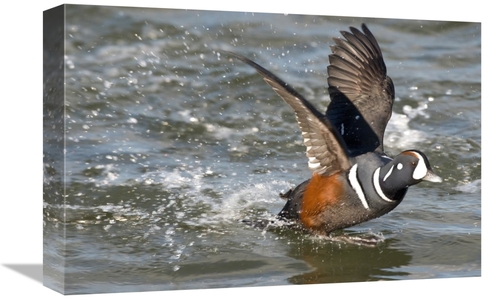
x=361, y=93
x=325, y=148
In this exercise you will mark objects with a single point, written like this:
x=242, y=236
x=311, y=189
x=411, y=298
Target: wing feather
x=325, y=148
x=361, y=93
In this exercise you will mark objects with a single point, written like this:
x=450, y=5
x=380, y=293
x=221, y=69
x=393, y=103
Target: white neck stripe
x=376, y=183
x=353, y=179
x=388, y=173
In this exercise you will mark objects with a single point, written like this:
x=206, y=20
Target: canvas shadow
x=33, y=271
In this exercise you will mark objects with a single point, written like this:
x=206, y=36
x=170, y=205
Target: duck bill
x=432, y=177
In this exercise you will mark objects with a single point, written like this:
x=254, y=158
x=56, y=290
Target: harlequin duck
x=353, y=180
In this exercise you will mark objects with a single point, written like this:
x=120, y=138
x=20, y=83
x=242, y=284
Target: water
x=170, y=145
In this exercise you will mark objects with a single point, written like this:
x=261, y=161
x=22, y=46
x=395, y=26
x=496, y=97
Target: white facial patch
x=421, y=169
x=353, y=179
x=400, y=166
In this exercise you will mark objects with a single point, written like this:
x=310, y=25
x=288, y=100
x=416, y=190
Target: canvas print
x=189, y=149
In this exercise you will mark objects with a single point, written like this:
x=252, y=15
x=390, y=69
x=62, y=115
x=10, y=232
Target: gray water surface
x=170, y=144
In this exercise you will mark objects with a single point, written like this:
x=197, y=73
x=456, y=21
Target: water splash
x=470, y=187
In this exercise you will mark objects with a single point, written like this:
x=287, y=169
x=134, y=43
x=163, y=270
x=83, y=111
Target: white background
x=21, y=240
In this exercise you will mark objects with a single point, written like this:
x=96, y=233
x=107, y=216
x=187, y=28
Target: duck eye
x=413, y=163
